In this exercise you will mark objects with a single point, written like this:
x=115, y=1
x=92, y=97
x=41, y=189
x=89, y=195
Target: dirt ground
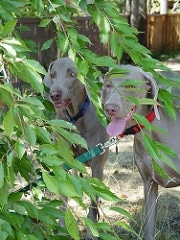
x=124, y=179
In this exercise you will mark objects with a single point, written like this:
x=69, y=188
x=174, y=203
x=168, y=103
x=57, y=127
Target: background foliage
x=27, y=148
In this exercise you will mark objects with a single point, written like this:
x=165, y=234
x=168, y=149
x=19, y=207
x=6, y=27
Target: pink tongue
x=116, y=126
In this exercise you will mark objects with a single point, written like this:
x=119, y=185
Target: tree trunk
x=127, y=7
x=134, y=13
x=142, y=22
x=163, y=6
x=137, y=12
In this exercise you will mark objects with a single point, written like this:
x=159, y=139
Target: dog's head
x=62, y=80
x=121, y=93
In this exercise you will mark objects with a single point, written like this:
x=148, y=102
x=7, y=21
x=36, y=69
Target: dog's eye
x=129, y=86
x=72, y=74
x=53, y=74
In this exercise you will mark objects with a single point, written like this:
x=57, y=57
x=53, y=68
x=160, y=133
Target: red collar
x=136, y=128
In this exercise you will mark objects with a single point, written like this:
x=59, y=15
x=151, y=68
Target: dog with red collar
x=122, y=95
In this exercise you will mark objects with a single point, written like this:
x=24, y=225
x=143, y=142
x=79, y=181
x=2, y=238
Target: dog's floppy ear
x=50, y=67
x=47, y=82
x=149, y=77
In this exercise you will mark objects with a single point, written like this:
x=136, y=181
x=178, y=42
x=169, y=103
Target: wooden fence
x=163, y=32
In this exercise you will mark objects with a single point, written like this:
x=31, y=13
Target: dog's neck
x=144, y=110
x=76, y=110
x=76, y=102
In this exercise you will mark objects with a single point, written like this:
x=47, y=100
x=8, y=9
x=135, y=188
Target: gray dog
x=120, y=110
x=72, y=103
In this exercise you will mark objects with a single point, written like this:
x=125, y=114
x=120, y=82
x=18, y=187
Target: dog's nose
x=111, y=109
x=55, y=95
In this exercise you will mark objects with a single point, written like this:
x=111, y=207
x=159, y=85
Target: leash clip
x=112, y=141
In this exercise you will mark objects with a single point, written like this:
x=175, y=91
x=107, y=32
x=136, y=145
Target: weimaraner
x=117, y=106
x=72, y=103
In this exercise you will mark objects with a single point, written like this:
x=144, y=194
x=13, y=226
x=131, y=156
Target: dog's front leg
x=151, y=197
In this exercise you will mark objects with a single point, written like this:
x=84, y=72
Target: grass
x=123, y=178
x=167, y=55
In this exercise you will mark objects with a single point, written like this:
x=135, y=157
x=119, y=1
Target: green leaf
x=151, y=147
x=133, y=100
x=84, y=38
x=3, y=234
x=68, y=189
x=113, y=42
x=169, y=162
x=54, y=211
x=103, y=226
x=6, y=97
x=83, y=5
x=8, y=49
x=74, y=138
x=88, y=189
x=34, y=65
x=20, y=148
x=52, y=160
x=28, y=74
x=1, y=175
x=105, y=25
x=166, y=149
x=159, y=151
x=20, y=235
x=46, y=45
x=83, y=67
x=31, y=209
x=51, y=182
x=4, y=191
x=96, y=14
x=143, y=121
x=45, y=218
x=105, y=194
x=8, y=122
x=105, y=61
x=115, y=73
x=62, y=42
x=49, y=149
x=43, y=134
x=132, y=82
x=71, y=224
x=167, y=100
x=121, y=211
x=9, y=88
x=5, y=230
x=8, y=28
x=112, y=12
x=32, y=237
x=89, y=223
x=30, y=135
x=55, y=123
x=160, y=171
x=72, y=32
x=44, y=22
x=34, y=101
x=39, y=6
x=129, y=228
x=105, y=236
x=147, y=101
x=24, y=167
